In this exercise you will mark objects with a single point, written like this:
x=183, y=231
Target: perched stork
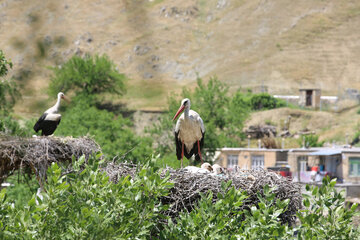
x=189, y=131
x=49, y=121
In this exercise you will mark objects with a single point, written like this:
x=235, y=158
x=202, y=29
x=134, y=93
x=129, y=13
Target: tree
x=264, y=101
x=8, y=97
x=89, y=76
x=8, y=91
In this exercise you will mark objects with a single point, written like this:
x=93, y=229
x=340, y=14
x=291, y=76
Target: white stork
x=189, y=131
x=49, y=121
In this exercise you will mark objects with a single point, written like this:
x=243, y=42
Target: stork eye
x=186, y=102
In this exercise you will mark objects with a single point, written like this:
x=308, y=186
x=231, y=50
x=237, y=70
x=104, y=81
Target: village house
x=340, y=163
x=251, y=158
x=303, y=163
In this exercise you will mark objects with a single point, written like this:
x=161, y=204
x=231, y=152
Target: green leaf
x=2, y=195
x=333, y=182
x=306, y=202
x=32, y=201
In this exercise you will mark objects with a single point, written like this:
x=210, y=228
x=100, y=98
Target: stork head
x=185, y=103
x=61, y=95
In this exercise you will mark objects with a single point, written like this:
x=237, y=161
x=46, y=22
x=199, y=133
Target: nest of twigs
x=187, y=188
x=37, y=153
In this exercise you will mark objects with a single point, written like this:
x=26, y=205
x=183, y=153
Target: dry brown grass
x=285, y=46
x=328, y=125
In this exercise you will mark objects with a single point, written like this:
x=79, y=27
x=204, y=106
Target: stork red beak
x=179, y=111
x=65, y=98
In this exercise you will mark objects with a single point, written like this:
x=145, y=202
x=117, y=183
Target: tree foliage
x=311, y=140
x=325, y=215
x=89, y=76
x=5, y=64
x=264, y=101
x=8, y=90
x=84, y=204
x=8, y=96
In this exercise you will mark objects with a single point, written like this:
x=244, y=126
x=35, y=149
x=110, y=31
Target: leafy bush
x=5, y=64
x=88, y=76
x=8, y=97
x=84, y=204
x=10, y=126
x=24, y=186
x=264, y=101
x=8, y=91
x=325, y=215
x=311, y=140
x=226, y=219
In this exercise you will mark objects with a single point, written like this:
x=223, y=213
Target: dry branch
x=188, y=186
x=38, y=153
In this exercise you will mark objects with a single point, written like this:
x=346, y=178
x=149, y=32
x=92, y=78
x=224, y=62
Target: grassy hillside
x=161, y=45
x=330, y=126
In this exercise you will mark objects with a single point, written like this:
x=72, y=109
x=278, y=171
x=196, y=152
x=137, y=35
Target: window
x=257, y=161
x=232, y=161
x=354, y=169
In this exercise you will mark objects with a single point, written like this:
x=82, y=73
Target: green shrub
x=226, y=219
x=264, y=101
x=8, y=96
x=5, y=64
x=311, y=140
x=84, y=204
x=10, y=126
x=325, y=215
x=88, y=77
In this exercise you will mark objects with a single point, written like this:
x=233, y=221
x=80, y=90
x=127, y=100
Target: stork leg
x=200, y=152
x=182, y=153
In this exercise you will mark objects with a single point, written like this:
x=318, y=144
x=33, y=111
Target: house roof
x=326, y=152
x=254, y=149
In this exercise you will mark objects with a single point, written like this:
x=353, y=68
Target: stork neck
x=186, y=112
x=57, y=104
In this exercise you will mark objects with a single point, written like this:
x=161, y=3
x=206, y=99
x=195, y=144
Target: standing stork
x=189, y=131
x=49, y=121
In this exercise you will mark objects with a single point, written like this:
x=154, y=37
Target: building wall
x=302, y=99
x=346, y=167
x=244, y=158
x=316, y=99
x=293, y=161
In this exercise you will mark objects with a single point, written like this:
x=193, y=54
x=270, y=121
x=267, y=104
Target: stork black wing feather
x=178, y=145
x=37, y=125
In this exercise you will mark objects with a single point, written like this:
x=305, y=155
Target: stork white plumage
x=189, y=132
x=49, y=121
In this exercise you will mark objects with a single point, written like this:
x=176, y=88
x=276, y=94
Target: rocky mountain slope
x=162, y=45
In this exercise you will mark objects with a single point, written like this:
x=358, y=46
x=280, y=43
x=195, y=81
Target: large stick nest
x=187, y=188
x=38, y=153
